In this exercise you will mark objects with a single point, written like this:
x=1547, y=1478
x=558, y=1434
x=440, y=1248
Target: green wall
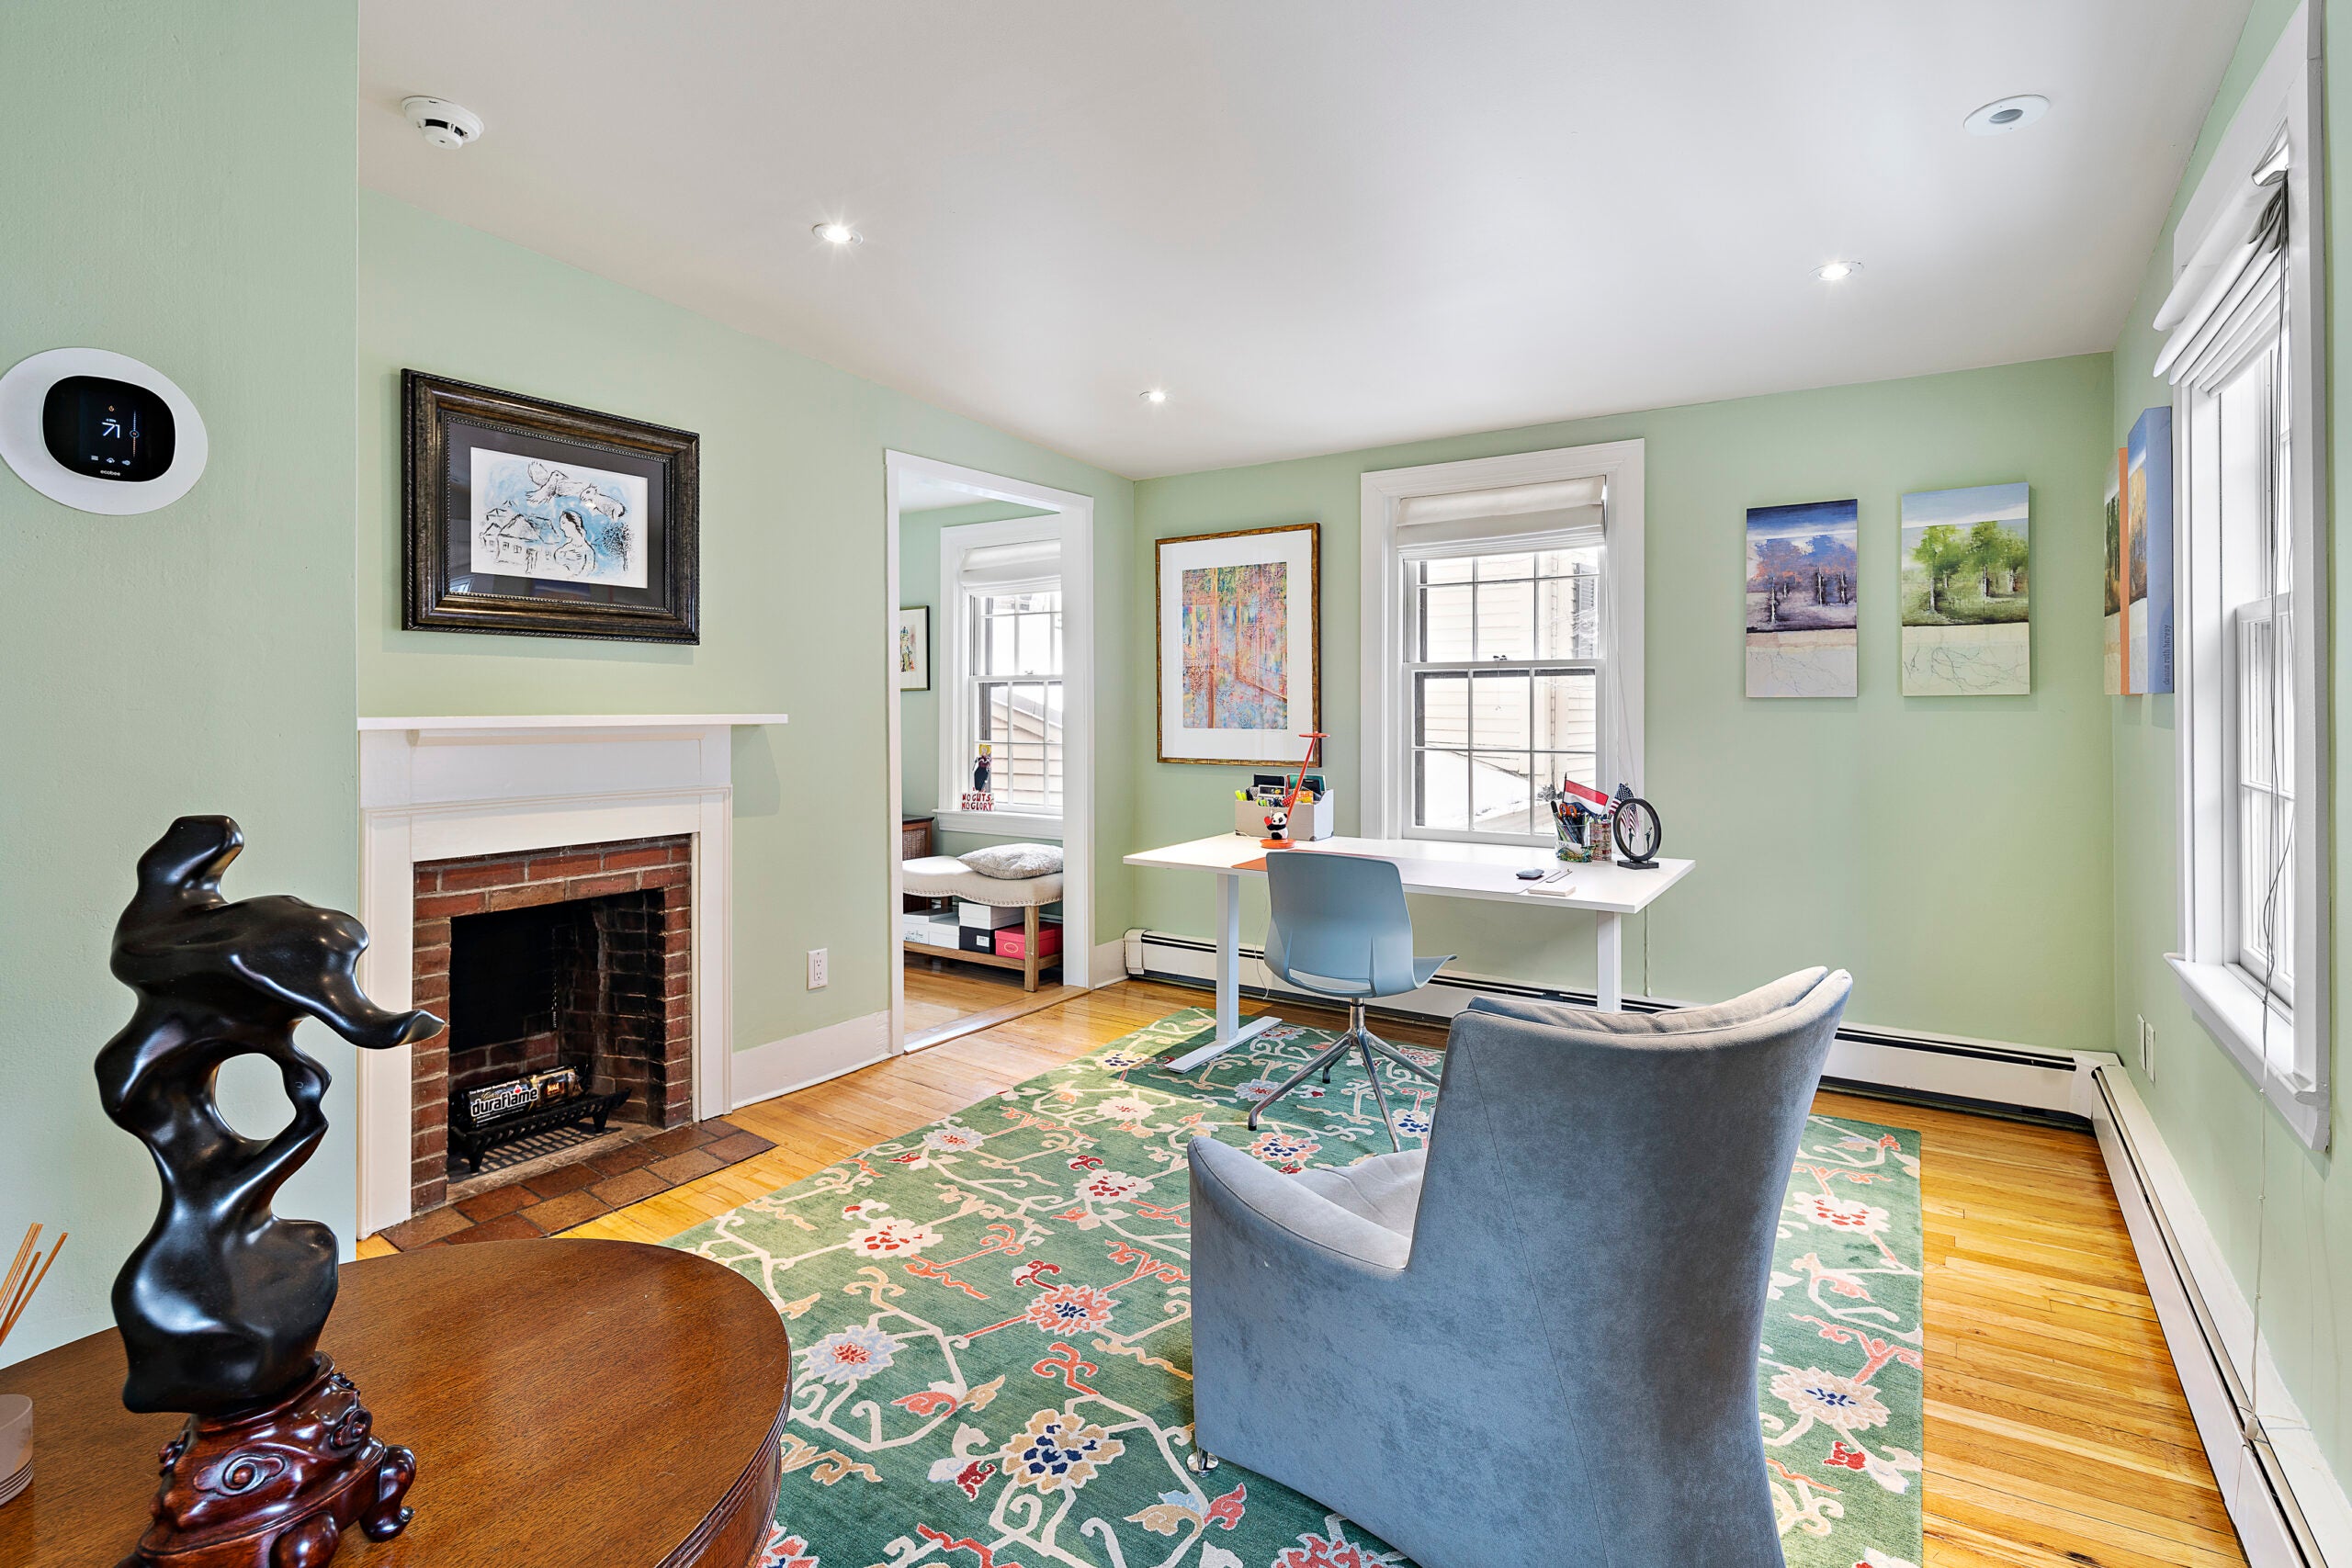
x=1953, y=853
x=792, y=578
x=197, y=658
x=2256, y=1185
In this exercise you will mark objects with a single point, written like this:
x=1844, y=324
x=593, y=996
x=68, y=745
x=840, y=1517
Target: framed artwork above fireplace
x=524, y=516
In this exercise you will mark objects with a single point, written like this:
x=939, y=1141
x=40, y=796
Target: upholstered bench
x=947, y=876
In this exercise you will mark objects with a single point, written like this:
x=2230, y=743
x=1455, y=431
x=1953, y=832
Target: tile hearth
x=552, y=1198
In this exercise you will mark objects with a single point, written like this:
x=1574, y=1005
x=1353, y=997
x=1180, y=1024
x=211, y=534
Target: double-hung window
x=1503, y=671
x=1003, y=639
x=2241, y=353
x=1502, y=641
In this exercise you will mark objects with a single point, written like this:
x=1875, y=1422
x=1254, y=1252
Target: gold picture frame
x=1231, y=672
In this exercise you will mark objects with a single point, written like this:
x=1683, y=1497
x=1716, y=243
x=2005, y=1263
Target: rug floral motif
x=990, y=1319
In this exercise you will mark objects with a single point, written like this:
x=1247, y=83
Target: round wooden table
x=592, y=1404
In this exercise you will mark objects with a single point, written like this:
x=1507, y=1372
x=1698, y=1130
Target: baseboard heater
x=1990, y=1078
x=2274, y=1529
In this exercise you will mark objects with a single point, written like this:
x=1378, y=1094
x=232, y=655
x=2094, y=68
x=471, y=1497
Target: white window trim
x=1386, y=694
x=956, y=647
x=2225, y=999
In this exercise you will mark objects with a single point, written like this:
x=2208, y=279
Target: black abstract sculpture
x=221, y=1307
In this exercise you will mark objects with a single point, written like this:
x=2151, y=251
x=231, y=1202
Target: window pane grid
x=1016, y=688
x=1503, y=679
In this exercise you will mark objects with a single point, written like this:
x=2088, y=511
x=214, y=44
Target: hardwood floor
x=964, y=998
x=2056, y=1432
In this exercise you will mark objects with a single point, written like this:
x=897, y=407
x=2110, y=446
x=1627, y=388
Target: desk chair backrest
x=1339, y=918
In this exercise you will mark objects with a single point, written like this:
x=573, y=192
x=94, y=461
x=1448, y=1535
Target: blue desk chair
x=1340, y=929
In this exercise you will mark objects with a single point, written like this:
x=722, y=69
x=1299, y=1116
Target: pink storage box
x=1009, y=943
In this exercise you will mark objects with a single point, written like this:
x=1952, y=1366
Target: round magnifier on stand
x=1632, y=822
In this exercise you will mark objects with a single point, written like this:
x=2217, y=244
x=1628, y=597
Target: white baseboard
x=1107, y=965
x=2289, y=1509
x=798, y=1060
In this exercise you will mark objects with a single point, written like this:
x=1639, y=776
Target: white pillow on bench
x=1015, y=863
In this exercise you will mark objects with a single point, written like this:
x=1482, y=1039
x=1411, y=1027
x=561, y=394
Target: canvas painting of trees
x=2148, y=571
x=2116, y=643
x=1804, y=596
x=1966, y=592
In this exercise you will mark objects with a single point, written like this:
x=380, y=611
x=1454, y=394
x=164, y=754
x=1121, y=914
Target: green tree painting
x=1966, y=592
x=1965, y=572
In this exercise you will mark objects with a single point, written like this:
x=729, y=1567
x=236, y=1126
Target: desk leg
x=1230, y=1029
x=1612, y=961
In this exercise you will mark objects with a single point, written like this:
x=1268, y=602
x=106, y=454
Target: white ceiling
x=1322, y=224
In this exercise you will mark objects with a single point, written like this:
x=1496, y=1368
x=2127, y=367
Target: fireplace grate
x=470, y=1140
x=528, y=1147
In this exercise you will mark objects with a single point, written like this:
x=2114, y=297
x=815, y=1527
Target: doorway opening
x=991, y=642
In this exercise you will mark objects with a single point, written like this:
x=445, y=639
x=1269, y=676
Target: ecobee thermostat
x=99, y=431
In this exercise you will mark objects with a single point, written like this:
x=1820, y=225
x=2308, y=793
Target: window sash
x=2261, y=827
x=1012, y=696
x=1522, y=714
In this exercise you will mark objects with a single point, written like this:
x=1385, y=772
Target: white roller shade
x=1562, y=515
x=1019, y=566
x=2235, y=275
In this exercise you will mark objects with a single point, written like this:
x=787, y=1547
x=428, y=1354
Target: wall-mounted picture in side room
x=1803, y=597
x=910, y=653
x=1967, y=618
x=2147, y=477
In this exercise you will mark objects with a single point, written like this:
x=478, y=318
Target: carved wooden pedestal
x=276, y=1488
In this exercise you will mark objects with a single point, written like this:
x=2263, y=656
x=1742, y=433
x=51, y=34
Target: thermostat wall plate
x=99, y=431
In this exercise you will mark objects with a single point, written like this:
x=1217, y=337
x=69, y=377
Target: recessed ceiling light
x=2007, y=114
x=838, y=234
x=1837, y=271
x=1154, y=395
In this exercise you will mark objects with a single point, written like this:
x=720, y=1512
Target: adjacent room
x=983, y=737
x=1286, y=785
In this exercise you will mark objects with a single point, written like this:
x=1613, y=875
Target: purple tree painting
x=1237, y=647
x=1803, y=600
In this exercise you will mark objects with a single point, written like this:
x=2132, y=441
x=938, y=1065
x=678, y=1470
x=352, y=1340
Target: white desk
x=1429, y=866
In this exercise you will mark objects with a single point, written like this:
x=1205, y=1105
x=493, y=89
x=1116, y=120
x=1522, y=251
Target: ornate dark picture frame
x=587, y=524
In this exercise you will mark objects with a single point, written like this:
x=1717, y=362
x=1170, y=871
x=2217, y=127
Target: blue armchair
x=1536, y=1340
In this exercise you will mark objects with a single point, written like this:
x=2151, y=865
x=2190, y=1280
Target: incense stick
x=21, y=1296
x=17, y=1269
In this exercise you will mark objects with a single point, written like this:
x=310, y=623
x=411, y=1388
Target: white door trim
x=1077, y=513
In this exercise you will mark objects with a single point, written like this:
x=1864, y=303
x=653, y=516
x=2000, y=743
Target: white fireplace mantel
x=628, y=721
x=439, y=788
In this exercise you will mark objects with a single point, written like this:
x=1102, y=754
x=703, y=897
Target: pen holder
x=1583, y=837
x=1309, y=819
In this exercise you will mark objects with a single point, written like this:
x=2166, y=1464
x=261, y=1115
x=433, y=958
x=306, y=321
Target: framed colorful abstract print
x=910, y=653
x=1239, y=639
x=529, y=517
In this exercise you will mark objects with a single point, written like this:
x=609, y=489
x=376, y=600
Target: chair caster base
x=1200, y=1461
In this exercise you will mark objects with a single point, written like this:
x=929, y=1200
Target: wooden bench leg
x=1029, y=948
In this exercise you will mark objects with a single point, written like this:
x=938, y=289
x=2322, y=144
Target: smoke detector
x=442, y=123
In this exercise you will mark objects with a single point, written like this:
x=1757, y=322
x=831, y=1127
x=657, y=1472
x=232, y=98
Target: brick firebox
x=659, y=871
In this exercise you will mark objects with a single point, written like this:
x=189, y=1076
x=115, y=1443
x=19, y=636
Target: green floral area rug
x=992, y=1344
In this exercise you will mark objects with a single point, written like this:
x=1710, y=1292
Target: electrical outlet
x=2147, y=1049
x=817, y=968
